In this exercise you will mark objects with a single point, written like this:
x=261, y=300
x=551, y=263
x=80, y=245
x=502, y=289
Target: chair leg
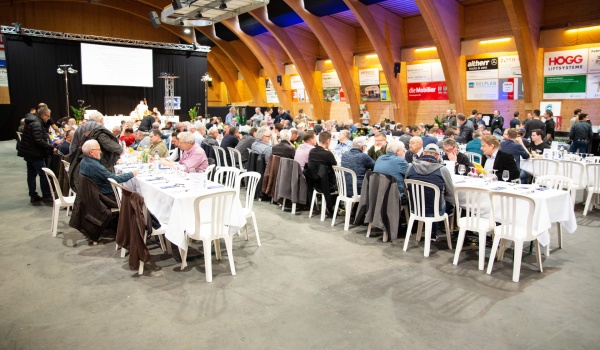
x=217, y=245
x=161, y=239
x=539, y=255
x=323, y=207
x=369, y=230
x=68, y=209
x=411, y=220
x=123, y=252
x=559, y=228
x=588, y=202
x=312, y=204
x=169, y=248
x=459, y=245
x=283, y=205
x=517, y=261
x=448, y=236
x=493, y=254
x=347, y=220
x=419, y=230
x=228, y=246
x=427, y=238
x=55, y=213
x=141, y=268
x=294, y=208
x=335, y=210
x=207, y=260
x=255, y=228
x=482, y=238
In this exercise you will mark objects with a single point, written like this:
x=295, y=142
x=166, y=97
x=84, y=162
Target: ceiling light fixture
x=187, y=30
x=583, y=29
x=223, y=5
x=492, y=41
x=423, y=49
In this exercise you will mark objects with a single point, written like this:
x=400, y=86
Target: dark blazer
x=284, y=149
x=504, y=161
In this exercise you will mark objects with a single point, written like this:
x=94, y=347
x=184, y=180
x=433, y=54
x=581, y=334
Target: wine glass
x=493, y=177
x=473, y=172
x=462, y=169
x=505, y=175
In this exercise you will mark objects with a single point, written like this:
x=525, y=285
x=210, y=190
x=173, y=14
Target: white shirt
x=489, y=163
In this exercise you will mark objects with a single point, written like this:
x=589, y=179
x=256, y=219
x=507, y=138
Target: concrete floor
x=308, y=286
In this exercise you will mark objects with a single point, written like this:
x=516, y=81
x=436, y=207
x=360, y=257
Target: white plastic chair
x=593, y=188
x=66, y=166
x=236, y=159
x=473, y=220
x=472, y=156
x=592, y=160
x=252, y=179
x=227, y=176
x=220, y=156
x=556, y=182
x=415, y=191
x=59, y=201
x=575, y=171
x=511, y=207
x=213, y=228
x=209, y=171
x=314, y=200
x=19, y=135
x=543, y=167
x=340, y=177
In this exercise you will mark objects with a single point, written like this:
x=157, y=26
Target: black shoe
x=36, y=199
x=48, y=200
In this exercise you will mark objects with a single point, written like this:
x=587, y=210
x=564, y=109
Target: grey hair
x=450, y=142
x=155, y=125
x=88, y=146
x=345, y=132
x=96, y=116
x=186, y=136
x=285, y=134
x=261, y=132
x=213, y=130
x=395, y=146
x=359, y=142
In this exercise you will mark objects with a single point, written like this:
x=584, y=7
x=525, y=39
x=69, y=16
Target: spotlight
x=60, y=71
x=181, y=23
x=72, y=71
x=17, y=26
x=223, y=5
x=176, y=4
x=187, y=30
x=199, y=15
x=194, y=46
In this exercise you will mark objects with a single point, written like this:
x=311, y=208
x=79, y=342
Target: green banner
x=566, y=86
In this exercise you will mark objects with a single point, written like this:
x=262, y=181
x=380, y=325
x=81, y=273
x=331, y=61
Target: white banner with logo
x=482, y=68
x=593, y=86
x=330, y=80
x=509, y=67
x=296, y=82
x=594, y=60
x=485, y=89
x=568, y=62
x=368, y=76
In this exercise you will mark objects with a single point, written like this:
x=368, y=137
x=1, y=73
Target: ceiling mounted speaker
x=154, y=18
x=176, y=4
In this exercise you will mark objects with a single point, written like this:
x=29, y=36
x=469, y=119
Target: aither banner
x=482, y=68
x=437, y=90
x=565, y=87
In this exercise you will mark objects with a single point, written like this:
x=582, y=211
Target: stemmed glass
x=505, y=175
x=493, y=177
x=473, y=172
x=462, y=169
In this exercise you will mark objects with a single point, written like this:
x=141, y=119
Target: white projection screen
x=116, y=66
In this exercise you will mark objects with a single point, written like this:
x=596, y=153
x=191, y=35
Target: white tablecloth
x=174, y=206
x=551, y=206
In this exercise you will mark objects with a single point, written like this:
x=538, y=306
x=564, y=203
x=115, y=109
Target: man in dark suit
x=283, y=115
x=497, y=123
x=494, y=159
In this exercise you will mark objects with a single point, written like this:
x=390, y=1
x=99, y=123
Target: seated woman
x=494, y=159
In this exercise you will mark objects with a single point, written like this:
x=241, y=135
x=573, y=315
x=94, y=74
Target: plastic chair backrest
x=556, y=182
x=220, y=156
x=340, y=177
x=221, y=204
x=472, y=156
x=510, y=209
x=415, y=191
x=19, y=134
x=117, y=188
x=592, y=160
x=227, y=176
x=252, y=178
x=473, y=206
x=543, y=167
x=209, y=171
x=236, y=158
x=53, y=182
x=573, y=170
x=593, y=175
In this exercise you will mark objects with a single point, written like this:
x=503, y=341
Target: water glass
x=505, y=175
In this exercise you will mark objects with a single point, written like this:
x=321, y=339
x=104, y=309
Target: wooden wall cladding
x=416, y=32
x=559, y=13
x=488, y=19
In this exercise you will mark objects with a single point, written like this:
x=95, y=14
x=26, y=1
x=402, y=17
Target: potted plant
x=193, y=113
x=438, y=121
x=79, y=112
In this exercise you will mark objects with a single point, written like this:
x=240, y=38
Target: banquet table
x=551, y=206
x=170, y=197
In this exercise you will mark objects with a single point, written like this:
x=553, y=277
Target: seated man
x=415, y=149
x=321, y=155
x=513, y=145
x=63, y=148
x=211, y=137
x=453, y=154
x=378, y=149
x=246, y=142
x=230, y=140
x=284, y=149
x=193, y=156
x=393, y=163
x=175, y=146
x=430, y=137
x=475, y=144
x=428, y=169
x=495, y=159
x=158, y=145
x=262, y=146
x=142, y=139
x=344, y=143
x=128, y=136
x=359, y=162
x=538, y=145
x=309, y=142
x=90, y=167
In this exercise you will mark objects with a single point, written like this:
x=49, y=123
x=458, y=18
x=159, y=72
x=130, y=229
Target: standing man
x=534, y=123
x=575, y=118
x=366, y=116
x=550, y=125
x=580, y=135
x=257, y=118
x=230, y=117
x=465, y=129
x=35, y=148
x=283, y=115
x=497, y=122
x=514, y=122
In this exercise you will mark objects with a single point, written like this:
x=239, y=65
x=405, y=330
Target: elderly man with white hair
x=358, y=161
x=95, y=121
x=95, y=130
x=284, y=149
x=91, y=167
x=192, y=157
x=257, y=117
x=72, y=123
x=393, y=163
x=261, y=145
x=211, y=137
x=344, y=143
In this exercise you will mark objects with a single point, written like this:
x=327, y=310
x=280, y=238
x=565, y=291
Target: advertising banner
x=3, y=77
x=554, y=106
x=509, y=67
x=482, y=68
x=330, y=80
x=566, y=62
x=486, y=89
x=296, y=82
x=368, y=76
x=594, y=60
x=437, y=72
x=565, y=87
x=427, y=91
x=510, y=89
x=385, y=93
x=271, y=94
x=593, y=85
x=416, y=73
x=370, y=93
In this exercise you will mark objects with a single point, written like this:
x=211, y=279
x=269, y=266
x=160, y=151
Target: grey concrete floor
x=308, y=286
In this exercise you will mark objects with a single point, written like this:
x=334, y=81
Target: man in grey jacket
x=428, y=169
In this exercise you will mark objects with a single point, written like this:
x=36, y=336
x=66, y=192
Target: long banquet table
x=170, y=198
x=551, y=206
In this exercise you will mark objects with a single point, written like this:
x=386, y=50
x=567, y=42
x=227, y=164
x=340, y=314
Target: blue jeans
x=34, y=169
x=579, y=145
x=523, y=176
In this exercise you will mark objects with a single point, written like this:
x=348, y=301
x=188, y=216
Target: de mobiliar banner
x=437, y=90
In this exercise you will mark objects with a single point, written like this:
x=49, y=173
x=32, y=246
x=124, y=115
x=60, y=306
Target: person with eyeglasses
x=452, y=153
x=262, y=145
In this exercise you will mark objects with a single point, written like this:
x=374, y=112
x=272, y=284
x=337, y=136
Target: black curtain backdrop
x=32, y=78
